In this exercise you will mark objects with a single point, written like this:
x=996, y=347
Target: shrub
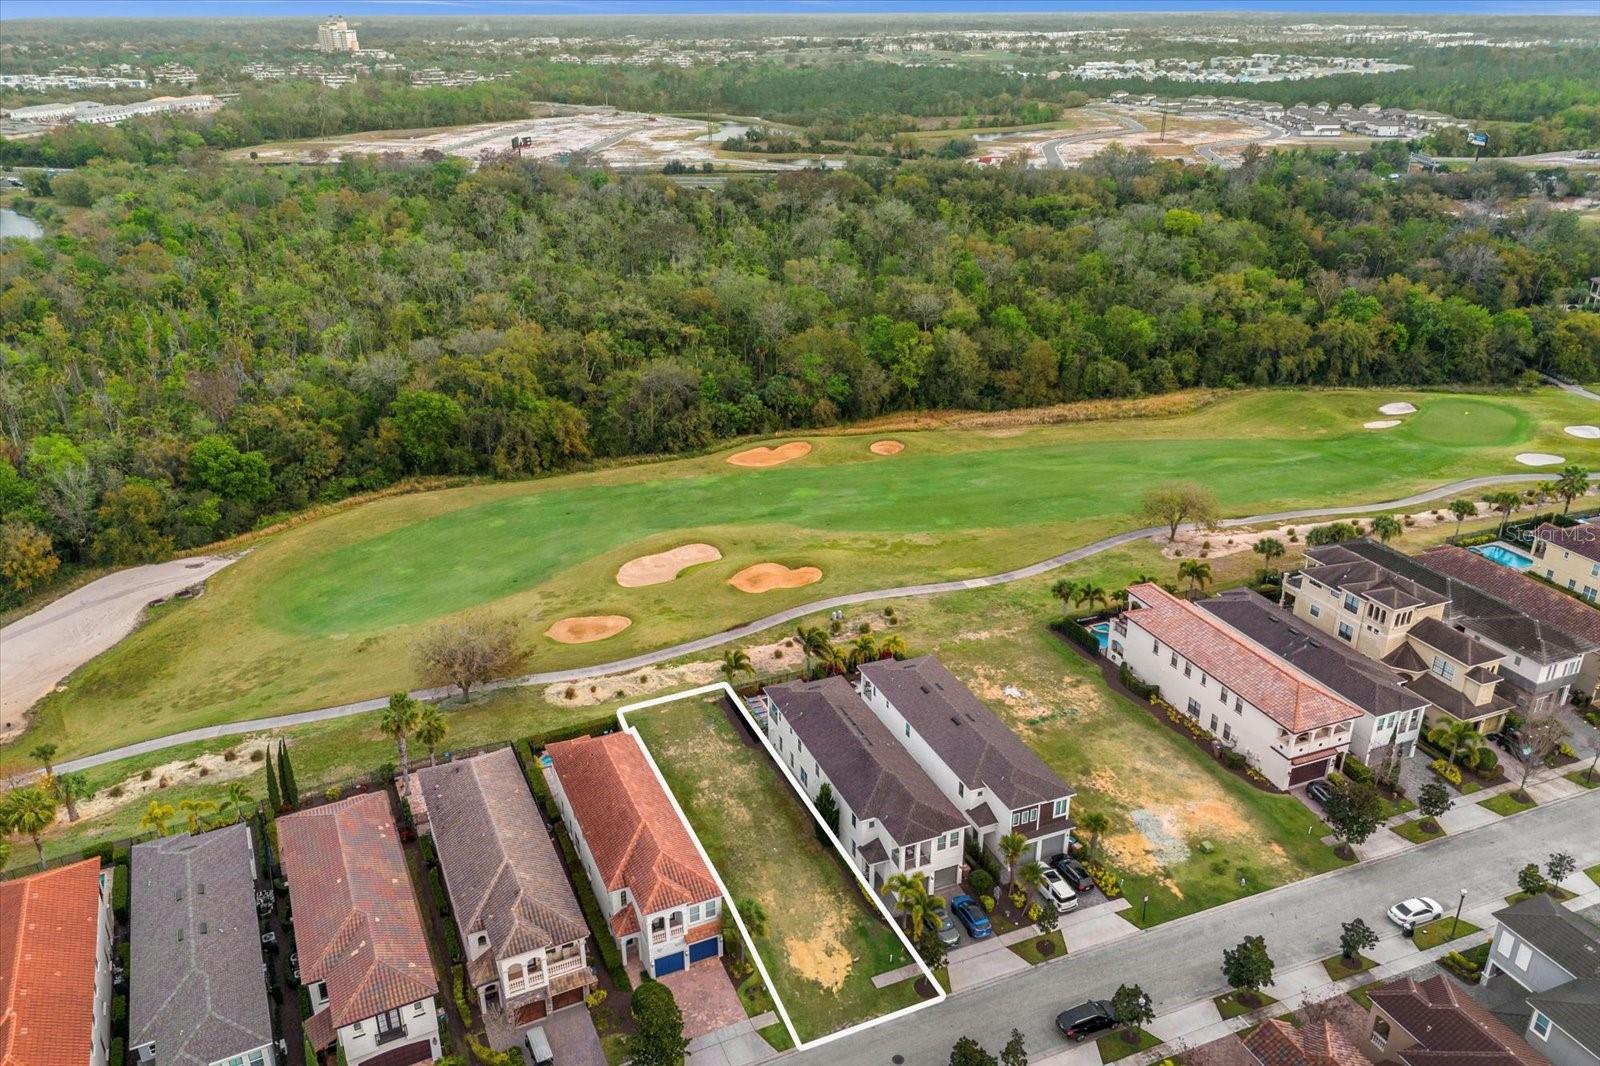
x=982, y=882
x=1232, y=759
x=1105, y=879
x=1073, y=631
x=258, y=755
x=1356, y=770
x=1445, y=770
x=119, y=1051
x=440, y=899
x=1486, y=761
x=1462, y=967
x=988, y=903
x=119, y=1011
x=119, y=890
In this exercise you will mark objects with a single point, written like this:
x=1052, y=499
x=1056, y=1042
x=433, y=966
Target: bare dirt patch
x=588, y=628
x=764, y=577
x=202, y=769
x=665, y=566
x=887, y=447
x=767, y=658
x=1215, y=544
x=764, y=456
x=822, y=957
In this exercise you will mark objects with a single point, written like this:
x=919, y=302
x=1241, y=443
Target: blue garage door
x=704, y=949
x=666, y=964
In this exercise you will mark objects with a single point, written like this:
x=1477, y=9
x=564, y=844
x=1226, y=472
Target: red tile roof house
x=55, y=967
x=1292, y=728
x=363, y=955
x=1434, y=1023
x=658, y=895
x=1277, y=1043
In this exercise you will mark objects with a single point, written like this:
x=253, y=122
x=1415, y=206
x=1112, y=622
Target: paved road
x=1211, y=153
x=1129, y=124
x=793, y=614
x=1179, y=963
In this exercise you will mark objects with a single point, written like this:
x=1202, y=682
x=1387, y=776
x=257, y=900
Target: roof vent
x=926, y=691
x=204, y=929
x=200, y=889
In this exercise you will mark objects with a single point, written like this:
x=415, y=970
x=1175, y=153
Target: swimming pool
x=1505, y=555
x=1102, y=634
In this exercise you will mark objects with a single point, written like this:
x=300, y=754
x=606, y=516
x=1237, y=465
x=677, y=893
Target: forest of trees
x=199, y=348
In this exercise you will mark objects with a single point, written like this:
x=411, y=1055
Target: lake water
x=15, y=225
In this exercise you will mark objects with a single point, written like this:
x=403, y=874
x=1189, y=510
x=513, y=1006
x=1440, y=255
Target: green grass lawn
x=1556, y=893
x=1338, y=969
x=1435, y=933
x=327, y=611
x=1593, y=873
x=1414, y=832
x=1360, y=994
x=823, y=942
x=1506, y=803
x=1233, y=1004
x=1029, y=949
x=1114, y=1046
x=1581, y=777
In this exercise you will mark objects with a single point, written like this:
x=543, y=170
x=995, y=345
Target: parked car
x=1057, y=890
x=539, y=1047
x=1086, y=1019
x=1074, y=872
x=1319, y=792
x=1418, y=910
x=1513, y=740
x=970, y=914
x=947, y=930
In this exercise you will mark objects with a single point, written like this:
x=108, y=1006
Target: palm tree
x=29, y=811
x=912, y=899
x=1386, y=527
x=1197, y=571
x=1270, y=549
x=814, y=643
x=399, y=721
x=863, y=649
x=1095, y=823
x=46, y=754
x=1463, y=509
x=194, y=808
x=1506, y=502
x=238, y=796
x=1065, y=590
x=72, y=789
x=734, y=662
x=1012, y=845
x=1570, y=484
x=892, y=646
x=5, y=848
x=158, y=816
x=1089, y=594
x=755, y=922
x=431, y=729
x=1031, y=876
x=1461, y=738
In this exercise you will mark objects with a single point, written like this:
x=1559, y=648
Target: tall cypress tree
x=291, y=791
x=274, y=805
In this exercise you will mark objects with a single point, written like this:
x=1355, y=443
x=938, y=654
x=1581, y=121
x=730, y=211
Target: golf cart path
x=748, y=629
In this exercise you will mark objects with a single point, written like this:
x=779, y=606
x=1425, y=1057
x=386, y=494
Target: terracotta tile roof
x=1293, y=699
x=1276, y=1043
x=1537, y=601
x=356, y=921
x=49, y=930
x=627, y=820
x=1449, y=1027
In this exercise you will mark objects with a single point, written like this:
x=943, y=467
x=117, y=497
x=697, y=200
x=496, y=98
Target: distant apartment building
x=335, y=35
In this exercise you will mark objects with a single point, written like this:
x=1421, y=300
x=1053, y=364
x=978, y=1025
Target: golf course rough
x=328, y=612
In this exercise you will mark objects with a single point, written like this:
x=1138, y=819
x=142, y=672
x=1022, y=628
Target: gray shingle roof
x=502, y=872
x=1575, y=1007
x=1567, y=613
x=196, y=987
x=871, y=770
x=1340, y=566
x=980, y=748
x=1569, y=939
x=1460, y=646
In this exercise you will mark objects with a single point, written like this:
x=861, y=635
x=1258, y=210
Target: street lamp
x=1457, y=919
x=1144, y=911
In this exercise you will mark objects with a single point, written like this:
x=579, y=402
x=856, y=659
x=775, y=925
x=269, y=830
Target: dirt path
x=41, y=649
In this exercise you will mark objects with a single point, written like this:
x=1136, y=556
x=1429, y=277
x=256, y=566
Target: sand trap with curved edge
x=588, y=629
x=1586, y=432
x=764, y=577
x=665, y=566
x=764, y=456
x=1401, y=408
x=1382, y=423
x=887, y=447
x=1539, y=459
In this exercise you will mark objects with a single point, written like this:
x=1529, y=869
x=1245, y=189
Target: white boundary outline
x=861, y=881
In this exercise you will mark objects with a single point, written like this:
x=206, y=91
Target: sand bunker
x=1382, y=423
x=1539, y=459
x=587, y=629
x=887, y=447
x=1586, y=432
x=764, y=577
x=764, y=456
x=1401, y=408
x=664, y=566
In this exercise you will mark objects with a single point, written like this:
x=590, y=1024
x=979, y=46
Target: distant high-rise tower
x=335, y=36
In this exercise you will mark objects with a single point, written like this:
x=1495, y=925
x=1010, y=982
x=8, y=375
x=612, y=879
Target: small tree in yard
x=1015, y=1053
x=1270, y=549
x=1049, y=917
x=1530, y=879
x=1178, y=502
x=1386, y=527
x=274, y=798
x=1433, y=800
x=1559, y=867
x=932, y=949
x=1544, y=736
x=399, y=721
x=468, y=651
x=1248, y=968
x=659, y=1040
x=1462, y=509
x=968, y=1052
x=828, y=811
x=1132, y=1007
x=287, y=786
x=1012, y=845
x=1355, y=936
x=1355, y=810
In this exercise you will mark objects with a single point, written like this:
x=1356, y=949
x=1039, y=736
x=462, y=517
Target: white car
x=1056, y=887
x=1418, y=910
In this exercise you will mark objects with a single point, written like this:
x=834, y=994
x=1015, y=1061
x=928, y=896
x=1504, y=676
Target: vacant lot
x=822, y=942
x=327, y=612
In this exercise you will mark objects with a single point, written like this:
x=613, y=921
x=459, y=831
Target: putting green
x=326, y=612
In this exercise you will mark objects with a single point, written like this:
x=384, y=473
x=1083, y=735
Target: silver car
x=948, y=931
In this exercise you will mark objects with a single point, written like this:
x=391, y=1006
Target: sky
x=29, y=9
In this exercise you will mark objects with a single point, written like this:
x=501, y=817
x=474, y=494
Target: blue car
x=970, y=913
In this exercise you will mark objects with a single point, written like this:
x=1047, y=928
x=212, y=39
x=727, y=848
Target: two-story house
x=980, y=765
x=195, y=946
x=1394, y=714
x=1552, y=957
x=363, y=956
x=1291, y=727
x=1538, y=661
x=659, y=896
x=520, y=924
x=1434, y=1022
x=1568, y=557
x=892, y=817
x=55, y=967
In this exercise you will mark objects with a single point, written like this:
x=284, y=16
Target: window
x=1155, y=647
x=908, y=729
x=1524, y=956
x=1173, y=662
x=711, y=908
x=355, y=1027
x=1316, y=612
x=1188, y=671
x=1380, y=1033
x=852, y=819
x=1540, y=1025
x=1507, y=944
x=694, y=913
x=1194, y=707
x=1345, y=632
x=1224, y=694
x=1443, y=667
x=803, y=780
x=961, y=789
x=1058, y=809
x=1238, y=705
x=1351, y=603
x=1213, y=723
x=417, y=1009
x=1025, y=817
x=1227, y=731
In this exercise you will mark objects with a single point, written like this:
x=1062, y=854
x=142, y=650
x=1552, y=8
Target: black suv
x=1512, y=740
x=1086, y=1019
x=1320, y=792
x=1072, y=872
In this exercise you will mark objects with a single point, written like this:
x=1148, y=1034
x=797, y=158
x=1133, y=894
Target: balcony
x=391, y=1034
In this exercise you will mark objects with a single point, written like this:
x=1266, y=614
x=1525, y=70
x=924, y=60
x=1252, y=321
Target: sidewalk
x=1544, y=786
